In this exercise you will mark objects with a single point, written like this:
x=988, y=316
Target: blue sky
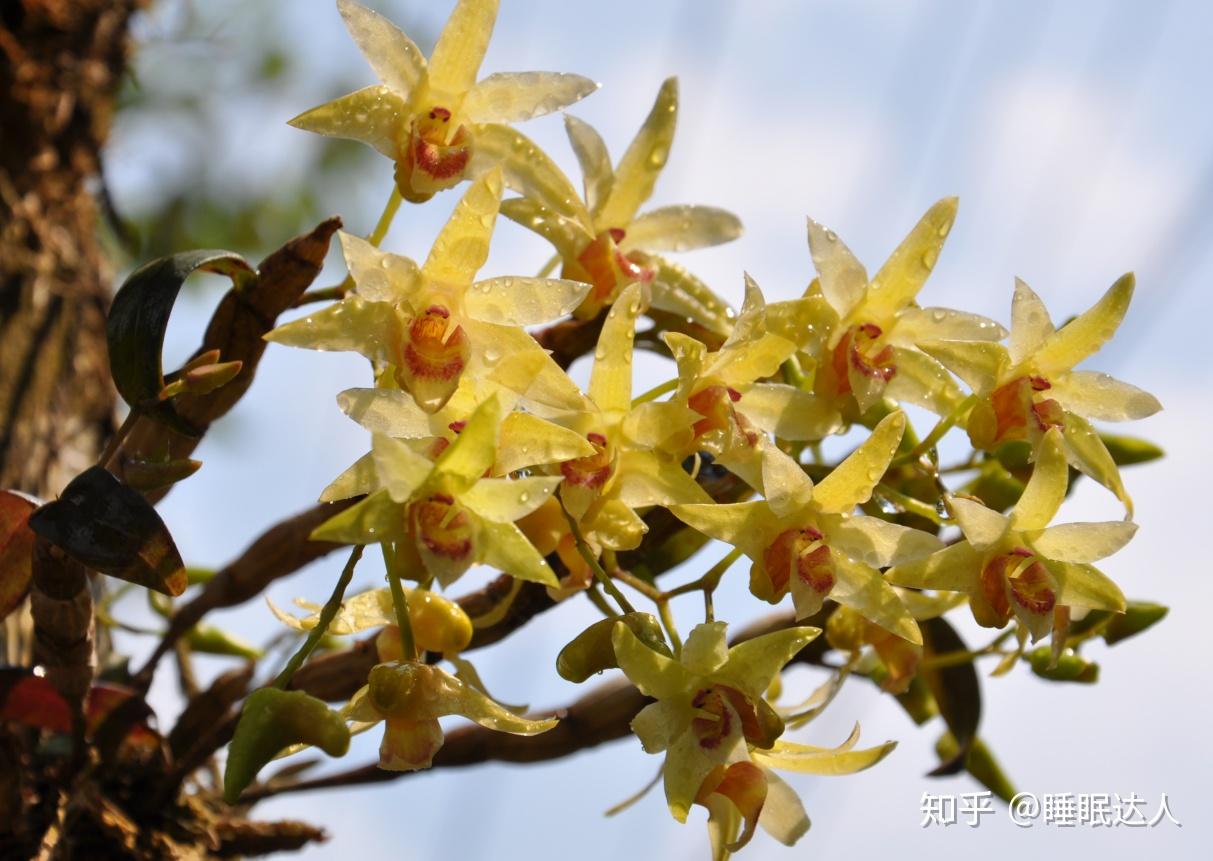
x=1078, y=138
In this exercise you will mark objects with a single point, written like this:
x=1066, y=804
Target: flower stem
x=599, y=574
x=941, y=427
x=400, y=603
x=656, y=392
x=326, y=617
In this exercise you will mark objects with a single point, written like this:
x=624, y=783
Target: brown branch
x=604, y=714
x=280, y=551
x=236, y=328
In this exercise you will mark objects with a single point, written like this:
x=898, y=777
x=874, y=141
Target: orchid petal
x=378, y=276
x=527, y=440
x=565, y=234
x=922, y=381
x=374, y=519
x=879, y=543
x=1085, y=586
x=392, y=55
x=457, y=56
x=784, y=483
x=1031, y=325
x=503, y=546
x=706, y=649
x=983, y=526
x=511, y=301
x=783, y=815
x=788, y=412
x=463, y=245
x=645, y=157
x=527, y=169
x=358, y=479
x=400, y=470
x=676, y=290
x=843, y=278
x=751, y=526
x=505, y=500
x=861, y=588
x=1086, y=333
x=897, y=283
x=953, y=569
x=980, y=364
x=803, y=759
x=651, y=672
x=658, y=724
x=681, y=228
x=851, y=482
x=472, y=453
x=594, y=159
x=510, y=97
x=373, y=115
x=387, y=411
x=1046, y=489
x=1087, y=453
x=611, y=378
x=645, y=479
x=1083, y=542
x=1093, y=395
x=755, y=663
x=353, y=324
x=944, y=324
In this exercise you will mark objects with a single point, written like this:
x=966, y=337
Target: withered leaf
x=110, y=527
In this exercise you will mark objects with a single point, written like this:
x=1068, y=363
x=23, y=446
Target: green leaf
x=210, y=640
x=1137, y=617
x=16, y=550
x=956, y=690
x=138, y=319
x=112, y=528
x=271, y=721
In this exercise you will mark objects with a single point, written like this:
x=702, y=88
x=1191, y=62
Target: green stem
x=656, y=392
x=909, y=504
x=326, y=617
x=599, y=574
x=385, y=219
x=944, y=425
x=400, y=603
x=671, y=629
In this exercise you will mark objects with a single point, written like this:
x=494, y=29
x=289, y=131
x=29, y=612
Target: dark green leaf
x=981, y=764
x=1069, y=667
x=956, y=690
x=108, y=526
x=138, y=319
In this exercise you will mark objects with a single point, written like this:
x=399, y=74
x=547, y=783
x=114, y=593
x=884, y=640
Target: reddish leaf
x=32, y=700
x=16, y=550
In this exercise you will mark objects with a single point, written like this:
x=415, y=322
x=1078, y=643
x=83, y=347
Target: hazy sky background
x=1079, y=140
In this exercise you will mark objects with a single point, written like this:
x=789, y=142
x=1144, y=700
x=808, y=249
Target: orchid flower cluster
x=484, y=451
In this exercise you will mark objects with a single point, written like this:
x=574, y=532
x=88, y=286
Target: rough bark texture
x=61, y=62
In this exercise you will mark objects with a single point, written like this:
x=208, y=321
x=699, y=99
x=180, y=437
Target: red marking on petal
x=593, y=470
x=802, y=552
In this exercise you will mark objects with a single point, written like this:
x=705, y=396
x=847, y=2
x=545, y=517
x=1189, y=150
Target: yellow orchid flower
x=804, y=539
x=1018, y=564
x=721, y=737
x=722, y=388
x=603, y=490
x=410, y=697
x=444, y=516
x=601, y=239
x=430, y=118
x=525, y=439
x=1031, y=386
x=863, y=333
x=433, y=324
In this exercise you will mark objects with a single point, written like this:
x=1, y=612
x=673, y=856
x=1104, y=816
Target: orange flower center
x=443, y=527
x=593, y=470
x=801, y=552
x=432, y=353
x=434, y=156
x=715, y=404
x=1019, y=409
x=1020, y=577
x=716, y=707
x=860, y=351
x=607, y=269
